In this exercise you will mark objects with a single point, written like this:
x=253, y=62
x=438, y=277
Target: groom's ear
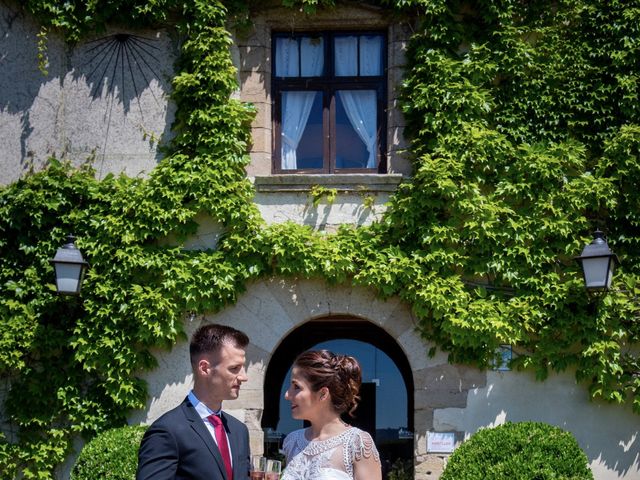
x=203, y=366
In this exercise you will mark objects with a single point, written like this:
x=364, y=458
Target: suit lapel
x=197, y=424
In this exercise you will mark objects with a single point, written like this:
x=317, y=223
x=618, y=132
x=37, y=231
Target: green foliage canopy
x=525, y=132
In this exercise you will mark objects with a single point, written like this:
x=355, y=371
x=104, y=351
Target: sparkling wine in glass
x=258, y=466
x=273, y=470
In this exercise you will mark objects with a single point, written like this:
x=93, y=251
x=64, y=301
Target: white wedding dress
x=330, y=459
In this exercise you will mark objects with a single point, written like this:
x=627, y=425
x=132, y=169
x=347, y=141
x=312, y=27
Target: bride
x=323, y=386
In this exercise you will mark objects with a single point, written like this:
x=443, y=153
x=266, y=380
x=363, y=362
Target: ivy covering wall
x=524, y=119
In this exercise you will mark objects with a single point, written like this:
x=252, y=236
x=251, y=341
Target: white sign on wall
x=440, y=442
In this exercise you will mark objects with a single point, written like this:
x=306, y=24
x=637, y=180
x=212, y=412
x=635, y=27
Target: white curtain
x=360, y=106
x=370, y=55
x=296, y=106
x=346, y=55
x=312, y=56
x=287, y=57
x=287, y=52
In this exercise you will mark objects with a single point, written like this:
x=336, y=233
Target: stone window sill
x=356, y=182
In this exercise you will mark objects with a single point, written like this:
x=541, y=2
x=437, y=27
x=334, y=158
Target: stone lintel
x=357, y=182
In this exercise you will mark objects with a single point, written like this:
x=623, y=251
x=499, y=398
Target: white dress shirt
x=204, y=413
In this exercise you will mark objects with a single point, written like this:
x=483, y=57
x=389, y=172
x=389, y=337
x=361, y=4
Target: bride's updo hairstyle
x=341, y=374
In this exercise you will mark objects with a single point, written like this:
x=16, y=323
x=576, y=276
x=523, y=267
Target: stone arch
x=270, y=310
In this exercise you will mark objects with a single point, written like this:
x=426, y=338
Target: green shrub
x=526, y=451
x=113, y=454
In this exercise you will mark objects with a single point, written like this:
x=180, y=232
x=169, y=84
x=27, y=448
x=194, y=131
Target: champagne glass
x=273, y=469
x=258, y=467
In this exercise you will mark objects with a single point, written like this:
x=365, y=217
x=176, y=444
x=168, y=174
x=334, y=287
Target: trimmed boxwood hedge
x=526, y=451
x=113, y=454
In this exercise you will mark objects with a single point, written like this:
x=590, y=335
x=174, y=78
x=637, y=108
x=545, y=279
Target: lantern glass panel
x=68, y=277
x=597, y=273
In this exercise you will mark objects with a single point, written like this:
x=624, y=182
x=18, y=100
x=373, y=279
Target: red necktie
x=223, y=446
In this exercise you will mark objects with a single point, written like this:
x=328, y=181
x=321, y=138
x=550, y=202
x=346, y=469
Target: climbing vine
x=525, y=134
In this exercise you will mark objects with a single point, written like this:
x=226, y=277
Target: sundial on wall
x=120, y=123
x=117, y=60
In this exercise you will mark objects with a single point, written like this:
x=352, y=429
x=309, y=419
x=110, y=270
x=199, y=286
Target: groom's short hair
x=210, y=338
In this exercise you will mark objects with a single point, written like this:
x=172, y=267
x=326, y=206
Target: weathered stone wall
x=103, y=101
x=360, y=199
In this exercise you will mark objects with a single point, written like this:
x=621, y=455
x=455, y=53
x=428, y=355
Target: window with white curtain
x=329, y=92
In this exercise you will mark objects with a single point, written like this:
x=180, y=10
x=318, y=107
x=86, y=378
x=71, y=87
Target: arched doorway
x=386, y=408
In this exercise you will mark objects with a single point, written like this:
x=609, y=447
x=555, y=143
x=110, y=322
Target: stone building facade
x=81, y=112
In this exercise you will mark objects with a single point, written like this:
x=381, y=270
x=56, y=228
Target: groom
x=196, y=440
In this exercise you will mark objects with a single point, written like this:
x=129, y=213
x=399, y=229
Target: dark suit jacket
x=179, y=446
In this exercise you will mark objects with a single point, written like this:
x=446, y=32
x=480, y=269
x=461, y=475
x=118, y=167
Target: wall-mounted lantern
x=598, y=263
x=70, y=267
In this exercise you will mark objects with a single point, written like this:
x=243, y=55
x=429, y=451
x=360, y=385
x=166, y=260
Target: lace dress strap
x=359, y=445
